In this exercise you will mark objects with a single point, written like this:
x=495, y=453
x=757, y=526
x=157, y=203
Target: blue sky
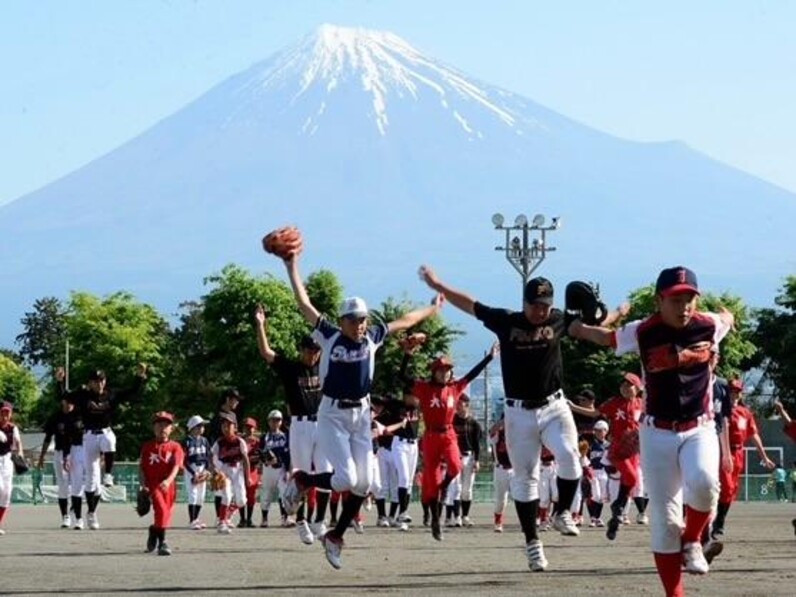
x=82, y=77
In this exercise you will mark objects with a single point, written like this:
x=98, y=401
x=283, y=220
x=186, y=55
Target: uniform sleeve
x=244, y=447
x=751, y=428
x=324, y=331
x=214, y=454
x=627, y=338
x=722, y=327
x=493, y=319
x=378, y=333
x=179, y=455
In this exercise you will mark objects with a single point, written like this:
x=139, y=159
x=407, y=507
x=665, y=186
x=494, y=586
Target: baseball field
x=37, y=558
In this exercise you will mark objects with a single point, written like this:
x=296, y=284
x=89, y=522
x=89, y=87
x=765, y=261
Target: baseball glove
x=625, y=447
x=218, y=481
x=20, y=465
x=583, y=302
x=284, y=243
x=142, y=502
x=201, y=477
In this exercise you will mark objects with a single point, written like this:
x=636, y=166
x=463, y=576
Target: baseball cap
x=225, y=416
x=194, y=421
x=587, y=395
x=308, y=343
x=539, y=290
x=233, y=393
x=6, y=406
x=736, y=384
x=676, y=280
x=250, y=422
x=354, y=306
x=633, y=380
x=96, y=375
x=464, y=398
x=164, y=416
x=441, y=362
x=601, y=425
x=275, y=414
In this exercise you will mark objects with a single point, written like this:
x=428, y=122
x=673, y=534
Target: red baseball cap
x=249, y=422
x=164, y=416
x=7, y=406
x=633, y=380
x=737, y=385
x=442, y=362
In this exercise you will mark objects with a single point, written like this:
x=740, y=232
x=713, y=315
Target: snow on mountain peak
x=384, y=66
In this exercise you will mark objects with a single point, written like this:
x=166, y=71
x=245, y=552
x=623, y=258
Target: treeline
x=211, y=346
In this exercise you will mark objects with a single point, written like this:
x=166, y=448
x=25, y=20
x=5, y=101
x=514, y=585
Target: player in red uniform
x=437, y=399
x=623, y=413
x=161, y=461
x=253, y=446
x=742, y=428
x=790, y=431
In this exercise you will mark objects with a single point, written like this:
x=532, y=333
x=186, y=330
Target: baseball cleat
x=2, y=532
x=223, y=528
x=712, y=550
x=264, y=524
x=598, y=522
x=449, y=523
x=563, y=523
x=66, y=522
x=613, y=527
x=457, y=522
x=359, y=528
x=717, y=534
x=642, y=518
x=107, y=480
x=93, y=521
x=498, y=527
x=304, y=532
x=436, y=528
x=318, y=529
x=79, y=524
x=467, y=522
x=404, y=517
x=333, y=546
x=383, y=522
x=164, y=549
x=151, y=540
x=693, y=559
x=535, y=553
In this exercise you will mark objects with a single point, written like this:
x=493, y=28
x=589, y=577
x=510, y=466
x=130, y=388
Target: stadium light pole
x=525, y=246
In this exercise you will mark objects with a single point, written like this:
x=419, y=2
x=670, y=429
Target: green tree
x=440, y=337
x=43, y=340
x=589, y=366
x=18, y=386
x=775, y=335
x=325, y=292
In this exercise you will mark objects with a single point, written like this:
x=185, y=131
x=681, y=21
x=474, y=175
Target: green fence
x=755, y=487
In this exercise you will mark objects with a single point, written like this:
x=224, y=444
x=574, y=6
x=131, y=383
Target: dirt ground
x=38, y=559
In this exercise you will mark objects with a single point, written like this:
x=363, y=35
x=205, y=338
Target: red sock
x=695, y=522
x=311, y=498
x=498, y=518
x=670, y=573
x=223, y=512
x=2, y=513
x=542, y=514
x=231, y=509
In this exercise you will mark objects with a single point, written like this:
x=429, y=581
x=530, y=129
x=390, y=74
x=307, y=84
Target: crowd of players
x=341, y=446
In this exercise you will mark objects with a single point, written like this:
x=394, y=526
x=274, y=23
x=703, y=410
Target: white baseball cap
x=355, y=306
x=194, y=421
x=601, y=425
x=275, y=414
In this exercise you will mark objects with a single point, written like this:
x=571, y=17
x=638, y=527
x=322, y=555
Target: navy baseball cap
x=307, y=343
x=676, y=280
x=539, y=290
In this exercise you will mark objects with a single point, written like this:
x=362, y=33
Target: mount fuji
x=385, y=158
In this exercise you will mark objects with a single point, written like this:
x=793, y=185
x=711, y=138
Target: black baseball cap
x=587, y=395
x=307, y=343
x=233, y=393
x=96, y=375
x=676, y=280
x=539, y=290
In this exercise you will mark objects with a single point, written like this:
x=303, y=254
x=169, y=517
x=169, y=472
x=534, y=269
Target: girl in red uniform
x=161, y=461
x=253, y=447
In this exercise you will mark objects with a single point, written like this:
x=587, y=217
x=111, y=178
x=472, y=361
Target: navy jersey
x=347, y=366
x=275, y=444
x=197, y=453
x=722, y=403
x=596, y=452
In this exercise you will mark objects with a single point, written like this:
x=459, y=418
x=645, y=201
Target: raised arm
x=412, y=318
x=616, y=316
x=307, y=309
x=481, y=365
x=260, y=321
x=457, y=298
x=137, y=387
x=602, y=336
x=780, y=408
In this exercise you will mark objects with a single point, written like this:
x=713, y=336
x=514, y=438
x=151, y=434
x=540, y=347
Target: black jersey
x=302, y=385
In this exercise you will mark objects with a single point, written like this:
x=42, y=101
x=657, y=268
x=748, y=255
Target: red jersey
x=230, y=451
x=742, y=426
x=438, y=402
x=158, y=459
x=253, y=450
x=623, y=415
x=790, y=430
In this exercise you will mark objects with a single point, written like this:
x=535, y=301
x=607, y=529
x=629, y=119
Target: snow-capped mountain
x=385, y=158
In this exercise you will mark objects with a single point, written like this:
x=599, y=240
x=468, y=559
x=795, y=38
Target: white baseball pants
x=344, y=438
x=501, y=482
x=388, y=490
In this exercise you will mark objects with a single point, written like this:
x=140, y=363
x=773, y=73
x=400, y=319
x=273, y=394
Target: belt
x=534, y=404
x=677, y=426
x=408, y=440
x=305, y=417
x=348, y=403
x=97, y=431
x=439, y=429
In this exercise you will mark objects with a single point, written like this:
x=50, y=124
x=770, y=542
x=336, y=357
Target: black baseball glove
x=142, y=502
x=583, y=302
x=20, y=464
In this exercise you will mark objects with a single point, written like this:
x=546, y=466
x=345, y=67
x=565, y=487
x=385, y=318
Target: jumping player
x=679, y=451
x=196, y=448
x=344, y=423
x=10, y=442
x=302, y=385
x=161, y=462
x=742, y=427
x=623, y=413
x=536, y=412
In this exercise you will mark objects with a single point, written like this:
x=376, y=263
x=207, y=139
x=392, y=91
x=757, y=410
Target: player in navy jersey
x=348, y=353
x=275, y=459
x=196, y=449
x=598, y=450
